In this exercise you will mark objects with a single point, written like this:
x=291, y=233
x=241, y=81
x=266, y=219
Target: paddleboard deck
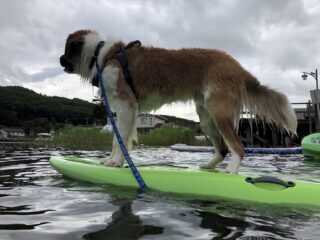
x=192, y=182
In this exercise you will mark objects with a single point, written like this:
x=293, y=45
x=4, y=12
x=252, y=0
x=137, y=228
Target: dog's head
x=71, y=59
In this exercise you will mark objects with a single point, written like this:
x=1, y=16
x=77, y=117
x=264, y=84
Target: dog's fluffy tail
x=270, y=105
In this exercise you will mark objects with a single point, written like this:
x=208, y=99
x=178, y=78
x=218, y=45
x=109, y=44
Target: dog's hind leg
x=210, y=129
x=223, y=109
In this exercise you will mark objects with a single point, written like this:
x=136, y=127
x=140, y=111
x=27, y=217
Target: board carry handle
x=270, y=179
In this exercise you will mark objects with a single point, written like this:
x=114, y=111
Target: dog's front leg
x=126, y=116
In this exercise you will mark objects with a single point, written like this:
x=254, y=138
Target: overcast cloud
x=273, y=39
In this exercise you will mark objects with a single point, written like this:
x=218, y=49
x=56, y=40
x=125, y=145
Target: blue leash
x=124, y=150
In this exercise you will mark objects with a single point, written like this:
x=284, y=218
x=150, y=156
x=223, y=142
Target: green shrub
x=82, y=138
x=167, y=136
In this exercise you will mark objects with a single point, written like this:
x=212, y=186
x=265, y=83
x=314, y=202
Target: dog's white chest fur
x=110, y=81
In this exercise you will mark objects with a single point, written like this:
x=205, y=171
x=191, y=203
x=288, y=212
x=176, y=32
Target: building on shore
x=12, y=132
x=145, y=122
x=254, y=132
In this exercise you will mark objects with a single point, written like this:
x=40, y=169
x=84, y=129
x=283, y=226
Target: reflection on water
x=38, y=203
x=124, y=224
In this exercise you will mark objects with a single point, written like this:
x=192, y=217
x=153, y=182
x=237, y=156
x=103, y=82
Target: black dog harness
x=121, y=56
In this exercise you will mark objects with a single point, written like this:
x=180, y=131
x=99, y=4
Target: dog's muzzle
x=64, y=62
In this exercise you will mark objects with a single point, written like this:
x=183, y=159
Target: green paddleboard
x=311, y=145
x=194, y=183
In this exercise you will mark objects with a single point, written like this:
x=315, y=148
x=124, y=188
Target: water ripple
x=38, y=203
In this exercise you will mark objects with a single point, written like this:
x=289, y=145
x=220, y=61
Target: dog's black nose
x=68, y=67
x=63, y=61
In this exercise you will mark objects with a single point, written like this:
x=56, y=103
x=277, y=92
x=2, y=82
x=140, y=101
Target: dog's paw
x=229, y=170
x=206, y=165
x=112, y=163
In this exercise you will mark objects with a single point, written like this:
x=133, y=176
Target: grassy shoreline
x=81, y=138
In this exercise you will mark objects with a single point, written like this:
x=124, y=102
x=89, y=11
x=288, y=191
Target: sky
x=275, y=40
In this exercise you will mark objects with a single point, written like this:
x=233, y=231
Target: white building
x=144, y=121
x=14, y=132
x=148, y=121
x=45, y=136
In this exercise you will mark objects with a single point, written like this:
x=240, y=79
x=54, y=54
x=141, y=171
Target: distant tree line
x=21, y=107
x=34, y=112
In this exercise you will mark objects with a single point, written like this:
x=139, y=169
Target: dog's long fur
x=217, y=83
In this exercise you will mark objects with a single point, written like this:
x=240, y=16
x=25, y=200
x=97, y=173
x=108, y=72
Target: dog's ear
x=77, y=37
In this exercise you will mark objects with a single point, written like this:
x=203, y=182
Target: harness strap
x=121, y=56
x=96, y=53
x=131, y=44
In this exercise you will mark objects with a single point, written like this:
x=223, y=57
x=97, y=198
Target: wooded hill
x=34, y=112
x=21, y=107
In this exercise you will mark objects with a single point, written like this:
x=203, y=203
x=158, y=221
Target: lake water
x=37, y=203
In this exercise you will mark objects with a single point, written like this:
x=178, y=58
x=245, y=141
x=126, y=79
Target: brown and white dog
x=216, y=82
